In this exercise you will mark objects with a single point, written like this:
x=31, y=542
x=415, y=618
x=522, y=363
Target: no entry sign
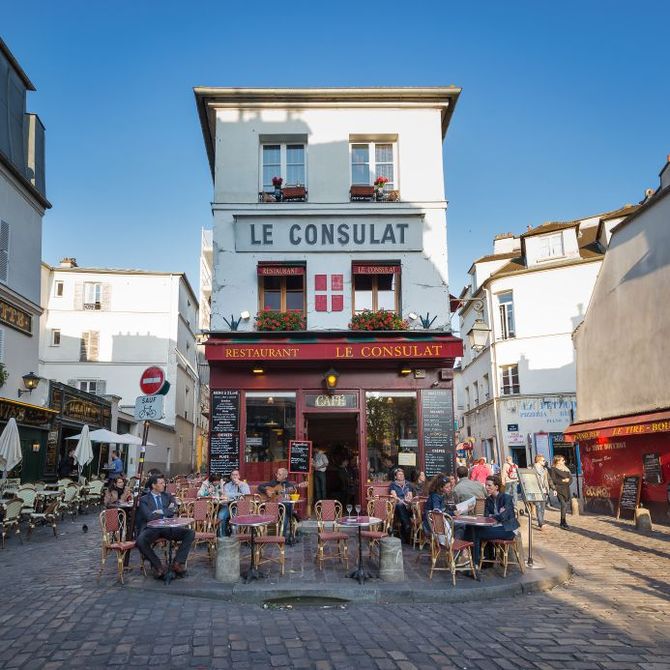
x=152, y=380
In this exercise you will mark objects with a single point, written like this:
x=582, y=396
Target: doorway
x=337, y=435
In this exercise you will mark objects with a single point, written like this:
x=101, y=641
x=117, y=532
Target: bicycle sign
x=149, y=407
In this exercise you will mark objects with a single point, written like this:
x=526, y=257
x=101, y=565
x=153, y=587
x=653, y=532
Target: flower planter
x=361, y=192
x=282, y=321
x=294, y=193
x=380, y=320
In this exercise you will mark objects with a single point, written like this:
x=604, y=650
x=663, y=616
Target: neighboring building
x=319, y=249
x=516, y=395
x=102, y=327
x=623, y=349
x=22, y=206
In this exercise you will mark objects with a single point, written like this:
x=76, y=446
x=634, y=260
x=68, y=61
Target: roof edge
x=15, y=64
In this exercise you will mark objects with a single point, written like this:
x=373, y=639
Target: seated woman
x=436, y=493
x=117, y=492
x=402, y=493
x=501, y=507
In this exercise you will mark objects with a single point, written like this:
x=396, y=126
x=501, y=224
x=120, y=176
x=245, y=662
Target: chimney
x=68, y=263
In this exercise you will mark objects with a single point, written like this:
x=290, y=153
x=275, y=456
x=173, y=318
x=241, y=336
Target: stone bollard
x=574, y=506
x=227, y=560
x=391, y=567
x=642, y=519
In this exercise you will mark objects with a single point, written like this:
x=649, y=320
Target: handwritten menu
x=224, y=434
x=630, y=494
x=651, y=464
x=437, y=409
x=299, y=456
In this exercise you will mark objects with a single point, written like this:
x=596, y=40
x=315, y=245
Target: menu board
x=651, y=464
x=530, y=485
x=299, y=456
x=630, y=494
x=224, y=453
x=437, y=409
x=225, y=410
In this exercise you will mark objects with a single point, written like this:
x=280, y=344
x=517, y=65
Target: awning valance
x=623, y=426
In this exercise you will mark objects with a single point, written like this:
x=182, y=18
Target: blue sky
x=564, y=110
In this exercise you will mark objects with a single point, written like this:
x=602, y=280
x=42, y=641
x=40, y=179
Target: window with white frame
x=485, y=387
x=506, y=307
x=95, y=386
x=475, y=393
x=370, y=160
x=283, y=160
x=59, y=288
x=92, y=296
x=55, y=337
x=88, y=349
x=509, y=380
x=551, y=246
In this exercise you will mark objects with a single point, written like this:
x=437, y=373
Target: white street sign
x=149, y=407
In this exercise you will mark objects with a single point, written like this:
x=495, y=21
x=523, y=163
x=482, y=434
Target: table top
x=49, y=493
x=174, y=522
x=252, y=520
x=476, y=520
x=358, y=521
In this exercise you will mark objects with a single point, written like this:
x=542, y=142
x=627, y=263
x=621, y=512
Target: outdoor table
x=42, y=496
x=468, y=520
x=173, y=522
x=360, y=522
x=253, y=521
x=288, y=504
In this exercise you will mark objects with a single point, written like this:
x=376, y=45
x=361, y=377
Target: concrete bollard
x=643, y=519
x=391, y=566
x=227, y=560
x=574, y=506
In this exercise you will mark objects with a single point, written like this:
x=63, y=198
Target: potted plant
x=361, y=192
x=277, y=182
x=380, y=183
x=271, y=320
x=382, y=319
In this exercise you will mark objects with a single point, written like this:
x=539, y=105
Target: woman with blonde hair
x=561, y=478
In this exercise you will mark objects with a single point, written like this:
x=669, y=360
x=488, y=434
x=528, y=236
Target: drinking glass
x=358, y=510
x=349, y=508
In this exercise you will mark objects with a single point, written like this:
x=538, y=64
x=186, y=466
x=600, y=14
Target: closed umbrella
x=83, y=454
x=10, y=448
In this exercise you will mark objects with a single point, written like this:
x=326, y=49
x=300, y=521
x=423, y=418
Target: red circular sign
x=152, y=380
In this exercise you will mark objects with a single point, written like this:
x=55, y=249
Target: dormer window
x=551, y=246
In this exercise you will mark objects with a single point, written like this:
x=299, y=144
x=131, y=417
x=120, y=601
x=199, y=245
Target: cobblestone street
x=613, y=614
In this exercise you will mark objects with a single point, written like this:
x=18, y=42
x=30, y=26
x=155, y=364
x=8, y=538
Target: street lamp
x=30, y=381
x=478, y=335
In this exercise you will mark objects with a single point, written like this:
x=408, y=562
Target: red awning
x=623, y=426
x=370, y=269
x=280, y=269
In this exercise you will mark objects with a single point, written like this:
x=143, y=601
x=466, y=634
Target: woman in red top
x=480, y=471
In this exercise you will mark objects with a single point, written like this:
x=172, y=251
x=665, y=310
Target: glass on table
x=349, y=508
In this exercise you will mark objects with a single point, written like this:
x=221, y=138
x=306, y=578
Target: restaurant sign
x=27, y=415
x=334, y=401
x=16, y=318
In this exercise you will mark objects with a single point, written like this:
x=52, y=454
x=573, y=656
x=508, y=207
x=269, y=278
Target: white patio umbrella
x=133, y=439
x=10, y=448
x=83, y=454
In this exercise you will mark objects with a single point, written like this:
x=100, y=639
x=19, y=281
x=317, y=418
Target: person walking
x=543, y=481
x=480, y=471
x=561, y=478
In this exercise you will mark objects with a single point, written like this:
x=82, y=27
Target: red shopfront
x=614, y=448
x=392, y=405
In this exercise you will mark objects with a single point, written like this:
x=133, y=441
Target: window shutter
x=79, y=295
x=2, y=345
x=4, y=251
x=93, y=338
x=83, y=348
x=101, y=387
x=106, y=297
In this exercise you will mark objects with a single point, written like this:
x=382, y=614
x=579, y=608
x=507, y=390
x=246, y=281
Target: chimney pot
x=68, y=263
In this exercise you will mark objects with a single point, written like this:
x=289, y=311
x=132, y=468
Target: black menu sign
x=299, y=456
x=437, y=410
x=225, y=409
x=651, y=464
x=630, y=494
x=224, y=435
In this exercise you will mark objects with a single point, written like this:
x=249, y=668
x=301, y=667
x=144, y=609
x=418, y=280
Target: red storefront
x=614, y=448
x=392, y=403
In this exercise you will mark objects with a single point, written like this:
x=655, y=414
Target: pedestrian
x=543, y=482
x=561, y=478
x=510, y=478
x=66, y=465
x=495, y=468
x=117, y=466
x=320, y=465
x=480, y=471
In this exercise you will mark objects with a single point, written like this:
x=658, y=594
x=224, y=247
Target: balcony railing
x=365, y=193
x=286, y=194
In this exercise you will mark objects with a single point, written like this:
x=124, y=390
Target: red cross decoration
x=321, y=293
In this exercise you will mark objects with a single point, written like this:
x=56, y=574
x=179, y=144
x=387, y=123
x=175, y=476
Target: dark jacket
x=502, y=509
x=147, y=506
x=556, y=477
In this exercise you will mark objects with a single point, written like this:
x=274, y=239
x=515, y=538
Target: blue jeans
x=224, y=517
x=539, y=511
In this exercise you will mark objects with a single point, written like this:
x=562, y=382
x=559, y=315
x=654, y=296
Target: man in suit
x=159, y=505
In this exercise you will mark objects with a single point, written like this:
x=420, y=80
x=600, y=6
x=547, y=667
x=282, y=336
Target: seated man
x=280, y=487
x=403, y=493
x=232, y=490
x=158, y=505
x=467, y=488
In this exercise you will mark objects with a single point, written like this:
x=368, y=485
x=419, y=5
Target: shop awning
x=623, y=426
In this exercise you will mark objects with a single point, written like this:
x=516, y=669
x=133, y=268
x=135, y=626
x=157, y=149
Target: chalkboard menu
x=299, y=456
x=652, y=469
x=224, y=434
x=437, y=410
x=630, y=494
x=225, y=410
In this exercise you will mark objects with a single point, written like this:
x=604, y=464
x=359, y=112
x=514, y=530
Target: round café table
x=173, y=522
x=360, y=573
x=253, y=521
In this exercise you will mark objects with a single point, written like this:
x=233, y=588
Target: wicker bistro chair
x=113, y=525
x=384, y=509
x=267, y=538
x=28, y=494
x=12, y=518
x=501, y=549
x=328, y=513
x=242, y=506
x=480, y=505
x=419, y=538
x=203, y=511
x=444, y=544
x=94, y=493
x=71, y=501
x=47, y=516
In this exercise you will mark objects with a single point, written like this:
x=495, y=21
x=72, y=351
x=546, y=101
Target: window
x=485, y=387
x=59, y=287
x=506, y=307
x=551, y=246
x=92, y=296
x=376, y=287
x=475, y=393
x=88, y=350
x=371, y=160
x=4, y=251
x=270, y=425
x=283, y=160
x=281, y=288
x=467, y=397
x=88, y=385
x=509, y=382
x=55, y=337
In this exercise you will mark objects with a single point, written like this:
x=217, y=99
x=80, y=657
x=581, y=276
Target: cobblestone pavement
x=614, y=614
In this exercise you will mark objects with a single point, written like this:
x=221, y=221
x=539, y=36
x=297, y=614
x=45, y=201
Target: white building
x=102, y=327
x=516, y=394
x=299, y=229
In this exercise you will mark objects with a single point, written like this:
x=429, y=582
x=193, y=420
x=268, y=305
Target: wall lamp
x=330, y=378
x=405, y=370
x=257, y=371
x=30, y=381
x=478, y=335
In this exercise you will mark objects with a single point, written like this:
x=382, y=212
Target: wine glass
x=358, y=510
x=349, y=508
